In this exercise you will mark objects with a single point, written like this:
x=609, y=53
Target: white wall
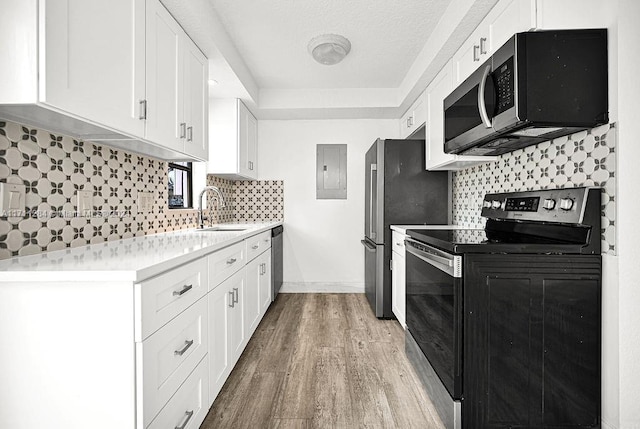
x=629, y=207
x=322, y=249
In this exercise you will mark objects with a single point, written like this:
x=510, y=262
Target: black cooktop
x=475, y=240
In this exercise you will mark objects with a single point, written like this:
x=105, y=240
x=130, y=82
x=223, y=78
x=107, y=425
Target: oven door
x=434, y=310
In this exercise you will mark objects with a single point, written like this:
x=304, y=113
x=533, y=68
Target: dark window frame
x=189, y=170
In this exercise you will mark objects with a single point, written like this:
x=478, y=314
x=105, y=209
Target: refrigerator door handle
x=372, y=229
x=368, y=246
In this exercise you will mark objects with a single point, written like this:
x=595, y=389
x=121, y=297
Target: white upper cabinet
x=505, y=19
x=436, y=159
x=176, y=101
x=233, y=140
x=196, y=101
x=413, y=118
x=164, y=105
x=90, y=69
x=120, y=71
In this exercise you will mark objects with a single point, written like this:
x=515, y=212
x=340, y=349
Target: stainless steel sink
x=223, y=229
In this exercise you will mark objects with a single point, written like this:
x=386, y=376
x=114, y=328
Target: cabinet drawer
x=225, y=262
x=189, y=406
x=397, y=242
x=166, y=358
x=258, y=244
x=163, y=297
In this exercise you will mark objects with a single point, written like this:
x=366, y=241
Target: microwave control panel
x=503, y=77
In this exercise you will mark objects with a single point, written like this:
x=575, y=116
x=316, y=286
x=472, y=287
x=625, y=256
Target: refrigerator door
x=374, y=193
x=373, y=275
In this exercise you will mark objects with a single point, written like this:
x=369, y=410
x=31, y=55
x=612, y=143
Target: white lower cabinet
x=236, y=305
x=190, y=405
x=398, y=278
x=166, y=358
x=136, y=354
x=226, y=330
x=258, y=291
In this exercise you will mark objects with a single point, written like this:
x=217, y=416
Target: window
x=180, y=185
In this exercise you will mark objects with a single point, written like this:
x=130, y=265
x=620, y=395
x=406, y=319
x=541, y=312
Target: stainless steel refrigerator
x=398, y=191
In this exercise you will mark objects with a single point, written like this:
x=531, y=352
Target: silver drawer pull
x=189, y=414
x=185, y=289
x=231, y=261
x=255, y=246
x=182, y=351
x=233, y=301
x=235, y=292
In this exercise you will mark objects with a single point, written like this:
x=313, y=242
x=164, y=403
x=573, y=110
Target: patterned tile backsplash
x=248, y=201
x=54, y=167
x=587, y=158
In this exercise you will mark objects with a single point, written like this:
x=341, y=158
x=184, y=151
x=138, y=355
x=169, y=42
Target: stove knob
x=496, y=204
x=566, y=204
x=486, y=204
x=549, y=204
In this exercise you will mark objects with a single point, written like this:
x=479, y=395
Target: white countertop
x=403, y=228
x=130, y=259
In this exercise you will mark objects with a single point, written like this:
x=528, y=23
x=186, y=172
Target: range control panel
x=551, y=205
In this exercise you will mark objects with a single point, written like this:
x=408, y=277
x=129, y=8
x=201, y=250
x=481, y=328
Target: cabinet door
x=532, y=341
x=252, y=145
x=164, y=71
x=94, y=60
x=507, y=18
x=398, y=288
x=253, y=272
x=265, y=282
x=196, y=100
x=437, y=91
x=236, y=317
x=220, y=307
x=468, y=58
x=247, y=141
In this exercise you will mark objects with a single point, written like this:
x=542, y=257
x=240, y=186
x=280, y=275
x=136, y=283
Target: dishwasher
x=276, y=261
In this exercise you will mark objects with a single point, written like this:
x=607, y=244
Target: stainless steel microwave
x=536, y=87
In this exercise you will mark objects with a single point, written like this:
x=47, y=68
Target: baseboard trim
x=321, y=287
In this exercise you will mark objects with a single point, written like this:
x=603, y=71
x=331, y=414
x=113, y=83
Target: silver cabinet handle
x=185, y=289
x=183, y=130
x=189, y=134
x=182, y=351
x=235, y=292
x=482, y=107
x=476, y=57
x=483, y=43
x=143, y=110
x=261, y=266
x=189, y=414
x=231, y=261
x=231, y=304
x=255, y=246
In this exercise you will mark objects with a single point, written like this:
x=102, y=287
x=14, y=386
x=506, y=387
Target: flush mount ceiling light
x=329, y=49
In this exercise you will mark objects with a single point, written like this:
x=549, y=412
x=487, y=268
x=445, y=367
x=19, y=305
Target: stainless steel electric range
x=504, y=322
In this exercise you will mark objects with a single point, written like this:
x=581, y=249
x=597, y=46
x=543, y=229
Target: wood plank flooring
x=323, y=361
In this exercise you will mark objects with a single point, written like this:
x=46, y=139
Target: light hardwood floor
x=323, y=361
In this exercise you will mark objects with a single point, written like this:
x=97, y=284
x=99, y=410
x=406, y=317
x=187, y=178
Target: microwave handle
x=482, y=107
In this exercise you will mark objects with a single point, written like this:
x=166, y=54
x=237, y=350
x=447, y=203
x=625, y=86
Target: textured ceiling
x=272, y=35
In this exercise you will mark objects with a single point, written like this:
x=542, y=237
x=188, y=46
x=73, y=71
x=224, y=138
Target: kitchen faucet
x=220, y=199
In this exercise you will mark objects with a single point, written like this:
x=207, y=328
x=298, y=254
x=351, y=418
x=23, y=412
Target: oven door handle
x=450, y=264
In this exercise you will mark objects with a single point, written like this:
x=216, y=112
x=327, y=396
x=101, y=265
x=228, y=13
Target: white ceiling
x=257, y=51
x=272, y=36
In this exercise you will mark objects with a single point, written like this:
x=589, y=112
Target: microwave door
x=468, y=111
